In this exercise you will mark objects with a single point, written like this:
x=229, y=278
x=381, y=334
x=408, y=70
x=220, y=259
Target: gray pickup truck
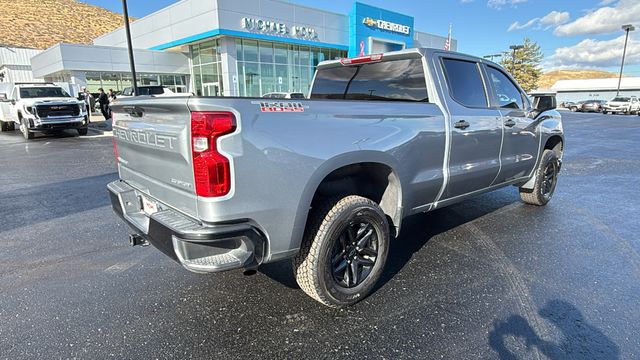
x=231, y=183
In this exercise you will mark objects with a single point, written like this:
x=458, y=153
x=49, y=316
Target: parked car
x=151, y=90
x=283, y=95
x=576, y=106
x=232, y=183
x=622, y=105
x=592, y=106
x=37, y=107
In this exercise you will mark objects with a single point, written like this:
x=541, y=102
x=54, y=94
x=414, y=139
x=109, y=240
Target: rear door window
x=465, y=82
x=505, y=92
x=395, y=80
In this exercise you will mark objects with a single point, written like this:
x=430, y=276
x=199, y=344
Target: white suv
x=623, y=105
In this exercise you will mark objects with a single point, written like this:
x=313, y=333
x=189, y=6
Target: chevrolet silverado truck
x=220, y=183
x=41, y=108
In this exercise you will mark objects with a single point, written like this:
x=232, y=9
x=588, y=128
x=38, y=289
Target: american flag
x=447, y=44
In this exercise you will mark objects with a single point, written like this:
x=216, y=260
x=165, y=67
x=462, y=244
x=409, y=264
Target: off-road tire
x=537, y=196
x=4, y=126
x=312, y=265
x=83, y=131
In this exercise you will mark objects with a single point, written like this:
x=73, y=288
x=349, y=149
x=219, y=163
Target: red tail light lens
x=115, y=149
x=211, y=170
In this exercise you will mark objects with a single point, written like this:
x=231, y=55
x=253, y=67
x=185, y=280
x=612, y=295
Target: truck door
x=475, y=128
x=521, y=138
x=13, y=105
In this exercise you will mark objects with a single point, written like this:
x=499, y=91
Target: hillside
x=41, y=24
x=548, y=79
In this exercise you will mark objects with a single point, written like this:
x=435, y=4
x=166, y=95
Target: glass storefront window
x=239, y=55
x=266, y=52
x=250, y=48
x=195, y=54
x=148, y=79
x=207, y=52
x=304, y=56
x=252, y=77
x=93, y=81
x=207, y=70
x=197, y=81
x=280, y=53
x=261, y=65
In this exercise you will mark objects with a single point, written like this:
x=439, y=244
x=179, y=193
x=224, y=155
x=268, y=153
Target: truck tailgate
x=153, y=149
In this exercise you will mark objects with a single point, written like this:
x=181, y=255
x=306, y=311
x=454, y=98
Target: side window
x=14, y=94
x=504, y=91
x=465, y=82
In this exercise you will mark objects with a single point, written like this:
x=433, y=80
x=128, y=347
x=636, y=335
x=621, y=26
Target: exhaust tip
x=249, y=272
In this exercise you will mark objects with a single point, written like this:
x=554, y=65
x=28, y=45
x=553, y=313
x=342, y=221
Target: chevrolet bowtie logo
x=369, y=21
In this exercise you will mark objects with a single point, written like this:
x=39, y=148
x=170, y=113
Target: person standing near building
x=112, y=98
x=87, y=97
x=103, y=100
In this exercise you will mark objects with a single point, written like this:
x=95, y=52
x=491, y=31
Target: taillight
x=115, y=148
x=361, y=59
x=113, y=138
x=211, y=170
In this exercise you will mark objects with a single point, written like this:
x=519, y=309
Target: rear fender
x=327, y=168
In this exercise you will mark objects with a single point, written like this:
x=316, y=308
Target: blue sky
x=582, y=34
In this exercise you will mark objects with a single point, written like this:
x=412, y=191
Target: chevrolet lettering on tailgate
x=146, y=138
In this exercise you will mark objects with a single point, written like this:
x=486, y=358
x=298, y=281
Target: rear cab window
x=391, y=80
x=465, y=82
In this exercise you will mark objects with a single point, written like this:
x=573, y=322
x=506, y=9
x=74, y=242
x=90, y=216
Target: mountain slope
x=43, y=23
x=548, y=79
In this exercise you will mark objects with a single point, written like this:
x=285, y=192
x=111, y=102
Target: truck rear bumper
x=199, y=248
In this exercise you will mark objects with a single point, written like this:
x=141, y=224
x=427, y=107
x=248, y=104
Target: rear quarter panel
x=279, y=158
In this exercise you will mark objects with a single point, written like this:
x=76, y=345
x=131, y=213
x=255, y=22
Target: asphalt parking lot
x=487, y=278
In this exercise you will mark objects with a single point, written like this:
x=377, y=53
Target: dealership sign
x=387, y=25
x=278, y=28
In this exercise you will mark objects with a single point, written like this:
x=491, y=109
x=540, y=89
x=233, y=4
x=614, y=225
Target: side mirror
x=544, y=102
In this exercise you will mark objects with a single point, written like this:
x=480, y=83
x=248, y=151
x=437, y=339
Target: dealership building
x=595, y=89
x=231, y=48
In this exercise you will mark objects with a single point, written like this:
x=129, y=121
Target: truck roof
x=405, y=53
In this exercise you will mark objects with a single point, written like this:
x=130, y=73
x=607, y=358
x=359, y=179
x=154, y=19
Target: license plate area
x=149, y=206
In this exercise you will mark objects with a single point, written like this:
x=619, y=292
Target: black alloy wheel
x=355, y=253
x=549, y=180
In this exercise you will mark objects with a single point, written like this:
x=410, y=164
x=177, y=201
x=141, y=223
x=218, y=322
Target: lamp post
x=625, y=28
x=513, y=57
x=134, y=84
x=491, y=56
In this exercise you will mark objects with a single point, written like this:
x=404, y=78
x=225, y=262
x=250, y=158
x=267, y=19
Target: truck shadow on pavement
x=416, y=231
x=579, y=339
x=53, y=200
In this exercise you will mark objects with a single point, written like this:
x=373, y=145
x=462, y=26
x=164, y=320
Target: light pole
x=134, y=84
x=513, y=57
x=626, y=28
x=491, y=56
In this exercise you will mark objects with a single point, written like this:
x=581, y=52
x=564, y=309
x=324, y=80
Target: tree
x=524, y=64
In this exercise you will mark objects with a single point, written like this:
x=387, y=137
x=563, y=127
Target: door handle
x=509, y=123
x=462, y=124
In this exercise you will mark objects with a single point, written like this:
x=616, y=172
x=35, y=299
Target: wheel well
x=554, y=143
x=374, y=181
